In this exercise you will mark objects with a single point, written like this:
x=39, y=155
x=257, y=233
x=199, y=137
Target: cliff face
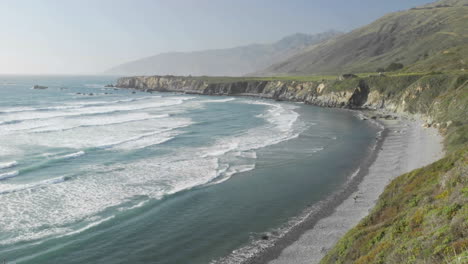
x=440, y=99
x=320, y=93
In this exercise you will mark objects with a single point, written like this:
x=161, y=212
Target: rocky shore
x=413, y=94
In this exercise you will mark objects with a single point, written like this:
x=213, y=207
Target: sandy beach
x=406, y=145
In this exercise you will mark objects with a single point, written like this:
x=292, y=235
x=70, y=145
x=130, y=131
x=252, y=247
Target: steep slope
x=407, y=37
x=420, y=218
x=223, y=62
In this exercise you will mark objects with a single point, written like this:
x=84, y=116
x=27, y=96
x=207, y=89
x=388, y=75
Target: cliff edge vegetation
x=422, y=217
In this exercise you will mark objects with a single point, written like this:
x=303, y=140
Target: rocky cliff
x=322, y=93
x=424, y=94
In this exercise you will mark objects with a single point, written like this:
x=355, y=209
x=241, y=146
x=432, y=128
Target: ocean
x=95, y=174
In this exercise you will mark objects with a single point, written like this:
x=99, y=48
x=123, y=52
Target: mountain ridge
x=407, y=37
x=235, y=61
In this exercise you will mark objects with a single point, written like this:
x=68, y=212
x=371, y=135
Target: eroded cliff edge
x=440, y=99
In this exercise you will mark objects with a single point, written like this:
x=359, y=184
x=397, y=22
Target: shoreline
x=404, y=145
x=401, y=146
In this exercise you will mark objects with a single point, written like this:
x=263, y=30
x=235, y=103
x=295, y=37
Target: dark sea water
x=117, y=177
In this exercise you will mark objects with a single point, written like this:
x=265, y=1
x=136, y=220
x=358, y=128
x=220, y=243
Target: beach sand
x=407, y=145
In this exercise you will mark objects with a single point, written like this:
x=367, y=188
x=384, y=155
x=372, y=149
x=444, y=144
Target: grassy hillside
x=431, y=37
x=422, y=217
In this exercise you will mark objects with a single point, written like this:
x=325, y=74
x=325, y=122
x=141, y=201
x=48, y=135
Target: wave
x=7, y=165
x=96, y=122
x=16, y=117
x=236, y=153
x=218, y=100
x=73, y=155
x=146, y=139
x=221, y=148
x=109, y=187
x=72, y=105
x=8, y=175
x=12, y=188
x=225, y=174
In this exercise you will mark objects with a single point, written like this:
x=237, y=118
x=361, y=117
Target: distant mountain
x=222, y=62
x=427, y=38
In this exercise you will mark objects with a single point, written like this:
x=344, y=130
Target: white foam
x=79, y=199
x=106, y=120
x=220, y=149
x=8, y=175
x=7, y=165
x=225, y=175
x=93, y=110
x=218, y=100
x=137, y=133
x=73, y=155
x=145, y=141
x=83, y=198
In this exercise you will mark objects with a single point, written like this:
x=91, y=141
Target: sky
x=91, y=36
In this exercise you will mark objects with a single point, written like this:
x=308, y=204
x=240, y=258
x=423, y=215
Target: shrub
x=394, y=66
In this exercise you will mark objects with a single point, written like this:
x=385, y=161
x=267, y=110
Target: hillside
x=222, y=62
x=429, y=38
x=422, y=217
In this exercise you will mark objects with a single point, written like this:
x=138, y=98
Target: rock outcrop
x=39, y=87
x=310, y=92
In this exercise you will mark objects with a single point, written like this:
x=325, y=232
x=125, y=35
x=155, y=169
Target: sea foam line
x=94, y=110
x=7, y=165
x=73, y=155
x=8, y=175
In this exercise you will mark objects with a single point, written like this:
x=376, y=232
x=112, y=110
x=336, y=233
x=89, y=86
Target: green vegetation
x=394, y=66
x=449, y=59
x=304, y=78
x=422, y=217
x=430, y=38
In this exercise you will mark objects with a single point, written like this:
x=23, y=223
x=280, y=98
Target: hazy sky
x=90, y=36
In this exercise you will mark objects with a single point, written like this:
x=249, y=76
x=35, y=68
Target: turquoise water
x=122, y=177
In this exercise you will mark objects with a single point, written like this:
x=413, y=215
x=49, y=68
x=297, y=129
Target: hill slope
x=420, y=35
x=222, y=62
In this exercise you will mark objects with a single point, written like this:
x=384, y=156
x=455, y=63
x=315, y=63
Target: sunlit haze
x=88, y=37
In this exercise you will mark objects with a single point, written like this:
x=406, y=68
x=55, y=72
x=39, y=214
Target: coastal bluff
x=424, y=94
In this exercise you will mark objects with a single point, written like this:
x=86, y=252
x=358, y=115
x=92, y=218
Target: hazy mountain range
x=236, y=61
x=432, y=37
